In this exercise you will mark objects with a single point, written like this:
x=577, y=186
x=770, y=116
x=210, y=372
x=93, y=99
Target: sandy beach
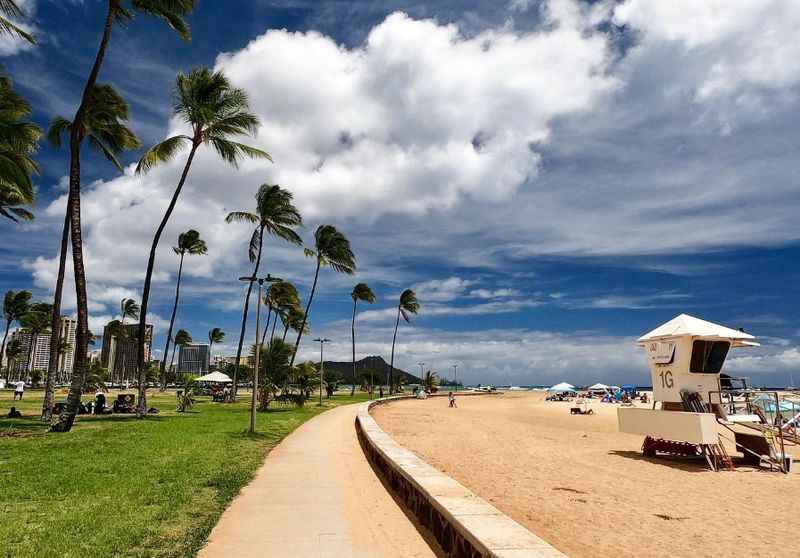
x=586, y=489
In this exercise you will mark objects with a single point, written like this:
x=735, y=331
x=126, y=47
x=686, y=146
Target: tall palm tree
x=275, y=215
x=8, y=11
x=15, y=305
x=182, y=338
x=104, y=129
x=216, y=335
x=119, y=11
x=408, y=305
x=188, y=243
x=215, y=111
x=360, y=292
x=331, y=248
x=19, y=140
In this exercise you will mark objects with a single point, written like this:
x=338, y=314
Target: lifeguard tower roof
x=689, y=326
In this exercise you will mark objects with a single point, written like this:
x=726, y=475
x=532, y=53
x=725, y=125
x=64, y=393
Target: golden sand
x=586, y=488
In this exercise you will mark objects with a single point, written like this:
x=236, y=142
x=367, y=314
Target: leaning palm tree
x=215, y=111
x=360, y=292
x=408, y=305
x=281, y=298
x=8, y=11
x=104, y=129
x=182, y=339
x=173, y=13
x=15, y=305
x=216, y=335
x=188, y=243
x=331, y=248
x=19, y=140
x=276, y=215
x=13, y=352
x=293, y=319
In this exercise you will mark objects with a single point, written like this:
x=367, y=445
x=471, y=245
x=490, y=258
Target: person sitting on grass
x=13, y=413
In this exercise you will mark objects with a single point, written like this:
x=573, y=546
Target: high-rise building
x=41, y=351
x=193, y=359
x=119, y=355
x=66, y=358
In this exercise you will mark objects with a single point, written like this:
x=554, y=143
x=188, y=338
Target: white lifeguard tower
x=686, y=356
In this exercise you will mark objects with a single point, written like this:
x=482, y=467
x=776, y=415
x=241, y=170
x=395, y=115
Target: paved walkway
x=316, y=496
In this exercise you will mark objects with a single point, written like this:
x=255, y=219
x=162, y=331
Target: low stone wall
x=465, y=525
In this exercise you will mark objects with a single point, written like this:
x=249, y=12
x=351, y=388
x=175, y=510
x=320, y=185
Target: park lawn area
x=120, y=486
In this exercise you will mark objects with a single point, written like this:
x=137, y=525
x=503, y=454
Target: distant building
x=41, y=351
x=193, y=359
x=119, y=355
x=245, y=360
x=69, y=328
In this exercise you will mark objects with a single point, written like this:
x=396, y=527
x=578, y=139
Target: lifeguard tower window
x=708, y=356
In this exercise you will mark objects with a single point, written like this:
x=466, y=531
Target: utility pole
x=455, y=375
x=421, y=372
x=254, y=400
x=321, y=341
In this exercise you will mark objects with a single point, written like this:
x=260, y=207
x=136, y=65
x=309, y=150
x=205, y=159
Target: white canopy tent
x=599, y=387
x=562, y=387
x=217, y=377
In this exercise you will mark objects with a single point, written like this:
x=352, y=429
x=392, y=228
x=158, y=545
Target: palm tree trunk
x=30, y=352
x=285, y=330
x=172, y=362
x=244, y=315
x=67, y=418
x=305, y=316
x=274, y=323
x=141, y=410
x=55, y=324
x=353, y=335
x=3, y=347
x=266, y=328
x=163, y=374
x=391, y=360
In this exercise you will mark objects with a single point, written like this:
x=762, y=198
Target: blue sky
x=553, y=178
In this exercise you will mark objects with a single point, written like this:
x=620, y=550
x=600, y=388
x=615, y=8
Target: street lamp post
x=455, y=375
x=321, y=341
x=421, y=373
x=254, y=400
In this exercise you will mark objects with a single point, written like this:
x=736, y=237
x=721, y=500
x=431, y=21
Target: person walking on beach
x=19, y=389
x=452, y=399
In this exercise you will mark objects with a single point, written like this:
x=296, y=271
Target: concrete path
x=317, y=496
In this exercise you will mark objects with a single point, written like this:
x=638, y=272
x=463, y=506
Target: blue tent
x=630, y=389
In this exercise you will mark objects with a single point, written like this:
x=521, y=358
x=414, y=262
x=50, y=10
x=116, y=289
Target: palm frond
x=241, y=217
x=255, y=244
x=58, y=127
x=9, y=9
x=161, y=152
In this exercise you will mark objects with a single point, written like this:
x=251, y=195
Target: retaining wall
x=465, y=525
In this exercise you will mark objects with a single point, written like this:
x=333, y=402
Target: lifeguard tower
x=695, y=399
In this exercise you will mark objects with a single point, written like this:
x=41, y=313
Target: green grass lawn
x=119, y=486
